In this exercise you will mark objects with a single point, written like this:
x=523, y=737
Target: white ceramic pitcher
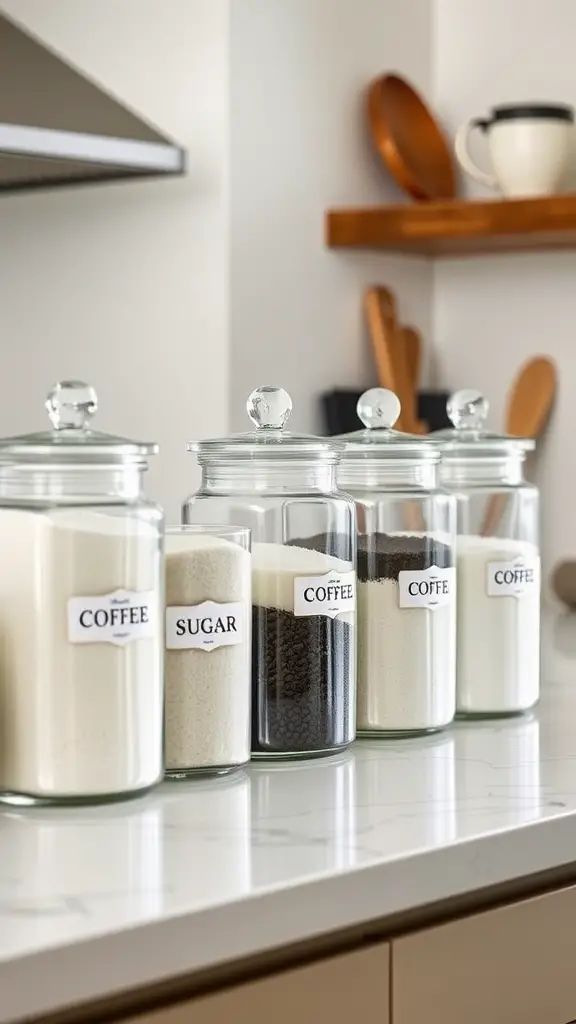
x=529, y=145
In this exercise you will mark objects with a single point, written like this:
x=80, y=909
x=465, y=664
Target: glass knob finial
x=71, y=405
x=378, y=407
x=269, y=407
x=467, y=409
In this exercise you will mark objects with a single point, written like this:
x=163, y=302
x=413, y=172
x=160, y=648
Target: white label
x=513, y=579
x=115, y=618
x=206, y=626
x=331, y=594
x=427, y=588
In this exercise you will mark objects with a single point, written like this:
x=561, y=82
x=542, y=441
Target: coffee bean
x=302, y=670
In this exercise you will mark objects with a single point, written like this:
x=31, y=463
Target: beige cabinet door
x=512, y=965
x=339, y=990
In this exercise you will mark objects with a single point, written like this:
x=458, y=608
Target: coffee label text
x=116, y=618
x=513, y=579
x=427, y=588
x=331, y=594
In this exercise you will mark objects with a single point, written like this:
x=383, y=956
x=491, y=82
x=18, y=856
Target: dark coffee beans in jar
x=303, y=666
x=383, y=556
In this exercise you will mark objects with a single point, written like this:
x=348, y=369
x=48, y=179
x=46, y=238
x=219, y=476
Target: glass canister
x=497, y=559
x=406, y=575
x=283, y=487
x=208, y=661
x=81, y=687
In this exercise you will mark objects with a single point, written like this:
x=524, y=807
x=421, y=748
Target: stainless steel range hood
x=59, y=128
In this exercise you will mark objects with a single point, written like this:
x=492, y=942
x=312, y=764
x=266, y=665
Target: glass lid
x=378, y=409
x=269, y=409
x=71, y=404
x=468, y=410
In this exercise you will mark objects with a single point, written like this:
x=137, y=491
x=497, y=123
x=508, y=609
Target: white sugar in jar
x=498, y=603
x=208, y=661
x=406, y=655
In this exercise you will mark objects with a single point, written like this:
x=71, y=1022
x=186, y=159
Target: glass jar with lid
x=283, y=487
x=406, y=575
x=81, y=687
x=497, y=560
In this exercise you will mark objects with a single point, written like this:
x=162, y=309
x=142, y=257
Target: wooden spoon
x=531, y=397
x=413, y=343
x=529, y=405
x=411, y=339
x=380, y=311
x=389, y=354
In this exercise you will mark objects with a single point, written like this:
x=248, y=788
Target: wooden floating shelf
x=458, y=227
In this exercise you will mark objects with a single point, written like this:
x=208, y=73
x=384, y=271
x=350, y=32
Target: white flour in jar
x=76, y=719
x=406, y=655
x=208, y=690
x=498, y=636
x=405, y=677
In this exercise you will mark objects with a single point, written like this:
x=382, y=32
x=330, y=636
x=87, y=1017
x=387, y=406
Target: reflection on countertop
x=200, y=872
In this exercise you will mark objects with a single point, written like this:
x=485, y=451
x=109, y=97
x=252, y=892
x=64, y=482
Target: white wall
x=298, y=145
x=492, y=313
x=126, y=285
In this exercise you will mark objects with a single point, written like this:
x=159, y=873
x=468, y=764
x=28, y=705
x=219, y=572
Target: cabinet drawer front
x=353, y=986
x=512, y=964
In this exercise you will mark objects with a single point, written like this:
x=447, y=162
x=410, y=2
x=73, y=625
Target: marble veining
x=200, y=872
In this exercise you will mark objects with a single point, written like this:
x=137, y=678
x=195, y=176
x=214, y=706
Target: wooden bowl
x=409, y=140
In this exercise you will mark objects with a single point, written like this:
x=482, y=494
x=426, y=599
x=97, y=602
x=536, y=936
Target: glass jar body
x=498, y=590
x=406, y=596
x=303, y=633
x=406, y=607
x=81, y=683
x=207, y=666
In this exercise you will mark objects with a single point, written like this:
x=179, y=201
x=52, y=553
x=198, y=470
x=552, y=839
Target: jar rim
x=484, y=446
x=364, y=451
x=256, y=448
x=18, y=451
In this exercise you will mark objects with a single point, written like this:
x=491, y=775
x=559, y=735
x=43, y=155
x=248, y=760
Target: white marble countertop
x=196, y=874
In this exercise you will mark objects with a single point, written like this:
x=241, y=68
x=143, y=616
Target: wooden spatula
x=529, y=405
x=389, y=355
